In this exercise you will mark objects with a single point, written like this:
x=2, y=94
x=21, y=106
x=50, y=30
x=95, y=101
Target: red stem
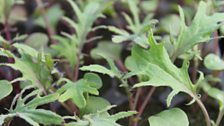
x=7, y=31
x=144, y=104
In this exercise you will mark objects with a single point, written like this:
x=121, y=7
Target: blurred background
x=36, y=22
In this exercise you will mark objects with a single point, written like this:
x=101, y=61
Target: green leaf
x=75, y=91
x=109, y=49
x=53, y=15
x=213, y=62
x=41, y=116
x=200, y=29
x=42, y=100
x=171, y=24
x=85, y=18
x=112, y=72
x=157, y=66
x=6, y=88
x=2, y=4
x=101, y=118
x=70, y=45
x=94, y=104
x=215, y=93
x=95, y=79
x=25, y=108
x=172, y=117
x=5, y=8
x=66, y=48
x=138, y=29
x=149, y=5
x=31, y=64
x=134, y=10
x=37, y=41
x=35, y=102
x=4, y=117
x=98, y=69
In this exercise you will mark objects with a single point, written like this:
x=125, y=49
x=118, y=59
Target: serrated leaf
x=40, y=116
x=98, y=69
x=112, y=72
x=70, y=45
x=28, y=119
x=213, y=62
x=42, y=100
x=101, y=118
x=25, y=108
x=172, y=117
x=75, y=91
x=6, y=88
x=118, y=31
x=31, y=64
x=199, y=31
x=122, y=115
x=138, y=29
x=66, y=48
x=38, y=100
x=157, y=66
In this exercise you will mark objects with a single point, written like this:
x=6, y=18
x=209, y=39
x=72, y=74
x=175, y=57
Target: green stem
x=205, y=112
x=220, y=116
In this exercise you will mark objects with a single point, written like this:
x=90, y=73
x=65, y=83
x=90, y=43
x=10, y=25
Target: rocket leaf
x=35, y=67
x=101, y=118
x=27, y=109
x=156, y=64
x=199, y=31
x=138, y=29
x=75, y=91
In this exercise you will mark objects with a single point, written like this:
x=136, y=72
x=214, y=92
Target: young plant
x=44, y=90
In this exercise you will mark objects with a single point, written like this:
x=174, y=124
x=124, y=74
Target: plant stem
x=50, y=30
x=195, y=67
x=8, y=122
x=220, y=116
x=124, y=70
x=7, y=30
x=144, y=104
x=139, y=90
x=205, y=112
x=216, y=43
x=76, y=71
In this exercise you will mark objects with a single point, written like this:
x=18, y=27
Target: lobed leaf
x=199, y=31
x=40, y=116
x=101, y=118
x=33, y=65
x=75, y=91
x=112, y=72
x=157, y=66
